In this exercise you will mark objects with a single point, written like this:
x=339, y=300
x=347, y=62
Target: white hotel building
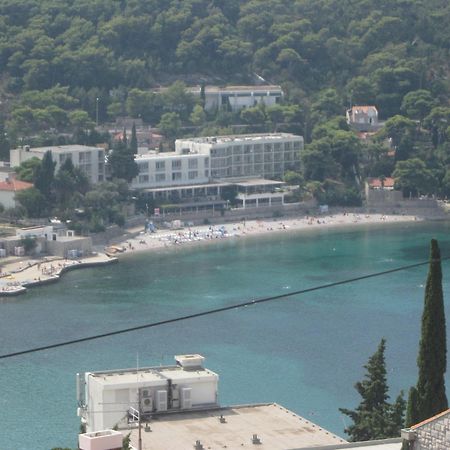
x=203, y=160
x=91, y=160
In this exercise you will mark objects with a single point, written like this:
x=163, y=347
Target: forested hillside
x=66, y=63
x=377, y=50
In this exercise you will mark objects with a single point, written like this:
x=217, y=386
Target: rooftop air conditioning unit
x=146, y=405
x=186, y=398
x=162, y=400
x=146, y=393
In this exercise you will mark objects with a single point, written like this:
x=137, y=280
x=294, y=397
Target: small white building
x=238, y=97
x=91, y=160
x=110, y=398
x=9, y=189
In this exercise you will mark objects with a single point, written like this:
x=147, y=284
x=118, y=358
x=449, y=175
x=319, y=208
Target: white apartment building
x=91, y=160
x=171, y=169
x=205, y=159
x=110, y=398
x=238, y=97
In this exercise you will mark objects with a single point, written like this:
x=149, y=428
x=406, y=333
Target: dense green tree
x=34, y=202
x=27, y=170
x=432, y=358
x=197, y=116
x=397, y=127
x=414, y=178
x=417, y=104
x=170, y=125
x=45, y=175
x=438, y=122
x=375, y=417
x=69, y=181
x=291, y=177
x=4, y=142
x=318, y=162
x=121, y=160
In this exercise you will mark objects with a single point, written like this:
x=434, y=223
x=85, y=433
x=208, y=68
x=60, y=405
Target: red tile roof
x=14, y=185
x=363, y=109
x=376, y=183
x=431, y=419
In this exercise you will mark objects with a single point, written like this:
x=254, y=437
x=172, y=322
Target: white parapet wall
x=100, y=440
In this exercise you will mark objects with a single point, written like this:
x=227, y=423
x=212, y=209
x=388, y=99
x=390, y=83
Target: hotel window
x=176, y=164
x=297, y=145
x=206, y=161
x=193, y=174
x=176, y=176
x=143, y=167
x=193, y=163
x=143, y=178
x=84, y=157
x=160, y=177
x=160, y=165
x=64, y=156
x=206, y=173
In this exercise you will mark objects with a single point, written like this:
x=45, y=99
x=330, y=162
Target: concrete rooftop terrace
x=277, y=428
x=240, y=138
x=151, y=375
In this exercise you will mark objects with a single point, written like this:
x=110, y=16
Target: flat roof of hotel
x=257, y=182
x=277, y=428
x=187, y=186
x=239, y=137
x=62, y=148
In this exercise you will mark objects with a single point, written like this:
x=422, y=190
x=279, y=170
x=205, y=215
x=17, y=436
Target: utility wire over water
x=217, y=310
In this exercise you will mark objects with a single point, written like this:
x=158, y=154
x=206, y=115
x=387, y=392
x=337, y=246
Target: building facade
x=237, y=97
x=91, y=160
x=208, y=159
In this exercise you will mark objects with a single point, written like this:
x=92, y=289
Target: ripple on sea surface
x=305, y=352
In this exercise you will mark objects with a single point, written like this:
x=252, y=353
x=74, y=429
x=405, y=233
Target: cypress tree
x=45, y=175
x=432, y=358
x=412, y=415
x=133, y=140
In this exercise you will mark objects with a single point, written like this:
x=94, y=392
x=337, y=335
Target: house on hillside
x=431, y=434
x=8, y=190
x=363, y=118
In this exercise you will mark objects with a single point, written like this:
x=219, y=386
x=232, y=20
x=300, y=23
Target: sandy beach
x=17, y=275
x=165, y=239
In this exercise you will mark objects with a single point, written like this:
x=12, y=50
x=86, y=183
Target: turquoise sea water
x=305, y=352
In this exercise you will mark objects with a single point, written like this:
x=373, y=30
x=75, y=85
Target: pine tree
x=432, y=359
x=375, y=418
